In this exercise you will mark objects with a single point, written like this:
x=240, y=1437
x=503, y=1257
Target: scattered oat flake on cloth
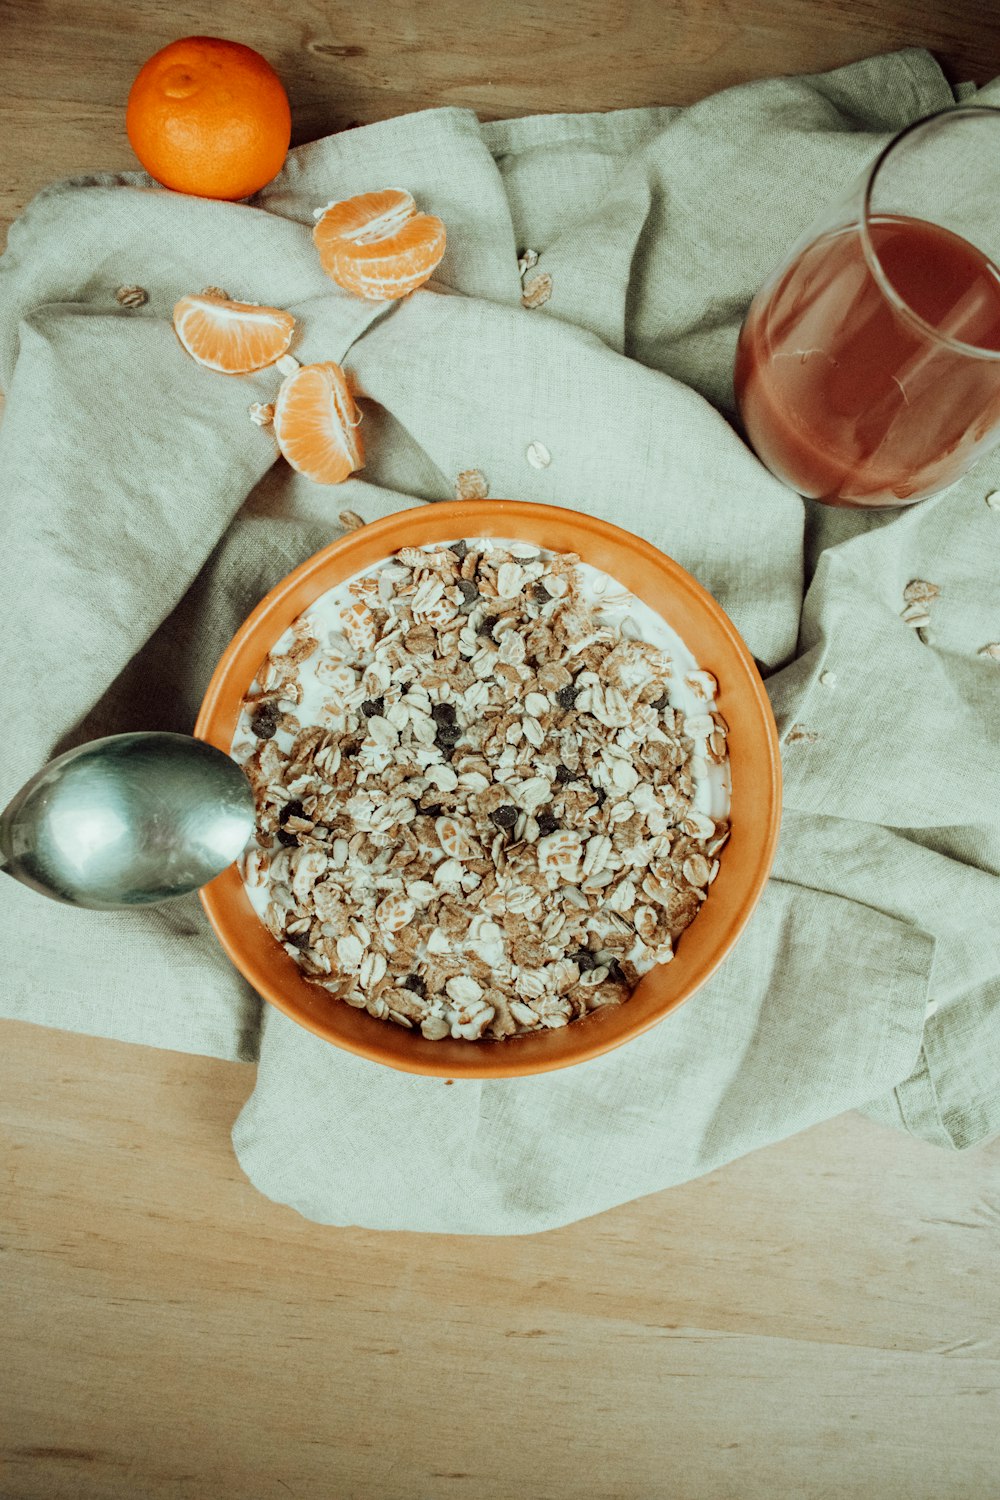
x=919, y=591
x=538, y=455
x=993, y=649
x=799, y=734
x=471, y=485
x=537, y=290
x=132, y=296
x=918, y=597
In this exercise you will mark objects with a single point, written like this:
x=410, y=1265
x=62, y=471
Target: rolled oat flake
x=537, y=290
x=471, y=484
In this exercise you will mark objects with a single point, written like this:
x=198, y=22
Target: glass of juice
x=868, y=365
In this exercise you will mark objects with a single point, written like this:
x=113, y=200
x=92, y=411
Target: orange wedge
x=316, y=424
x=378, y=245
x=232, y=337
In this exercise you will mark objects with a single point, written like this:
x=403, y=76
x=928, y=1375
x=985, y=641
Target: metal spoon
x=127, y=820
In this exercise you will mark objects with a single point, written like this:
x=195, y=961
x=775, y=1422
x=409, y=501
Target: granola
x=488, y=800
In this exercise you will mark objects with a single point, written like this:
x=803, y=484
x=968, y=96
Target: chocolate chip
x=547, y=823
x=264, y=723
x=461, y=550
x=434, y=810
x=485, y=627
x=584, y=960
x=616, y=972
x=444, y=713
x=504, y=817
x=662, y=702
x=540, y=593
x=468, y=590
x=286, y=837
x=416, y=984
x=448, y=734
x=601, y=795
x=565, y=775
x=566, y=696
x=293, y=809
x=372, y=706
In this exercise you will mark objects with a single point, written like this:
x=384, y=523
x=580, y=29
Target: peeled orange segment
x=316, y=424
x=378, y=245
x=232, y=337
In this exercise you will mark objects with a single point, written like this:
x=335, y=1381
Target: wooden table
x=819, y=1319
x=66, y=66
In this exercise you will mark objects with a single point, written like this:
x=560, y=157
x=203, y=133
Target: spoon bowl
x=127, y=820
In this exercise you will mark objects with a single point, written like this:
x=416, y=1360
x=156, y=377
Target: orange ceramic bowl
x=754, y=764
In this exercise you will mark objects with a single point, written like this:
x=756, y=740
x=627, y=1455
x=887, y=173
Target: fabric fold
x=762, y=1052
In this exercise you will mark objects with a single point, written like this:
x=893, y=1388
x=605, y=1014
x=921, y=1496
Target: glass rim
x=889, y=292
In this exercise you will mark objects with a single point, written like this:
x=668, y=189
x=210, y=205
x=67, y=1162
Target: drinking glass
x=868, y=365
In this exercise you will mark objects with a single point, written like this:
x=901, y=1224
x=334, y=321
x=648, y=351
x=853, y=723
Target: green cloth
x=144, y=516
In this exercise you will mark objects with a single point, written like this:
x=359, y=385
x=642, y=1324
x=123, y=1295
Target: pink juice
x=844, y=395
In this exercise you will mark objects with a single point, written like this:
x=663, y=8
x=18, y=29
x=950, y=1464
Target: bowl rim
x=499, y=1063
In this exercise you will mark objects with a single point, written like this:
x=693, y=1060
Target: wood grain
x=66, y=68
x=819, y=1319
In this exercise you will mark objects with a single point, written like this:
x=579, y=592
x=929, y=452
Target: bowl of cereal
x=518, y=789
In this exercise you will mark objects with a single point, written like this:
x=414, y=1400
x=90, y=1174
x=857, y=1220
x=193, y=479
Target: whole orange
x=209, y=117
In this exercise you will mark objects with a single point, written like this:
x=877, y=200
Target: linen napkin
x=144, y=515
